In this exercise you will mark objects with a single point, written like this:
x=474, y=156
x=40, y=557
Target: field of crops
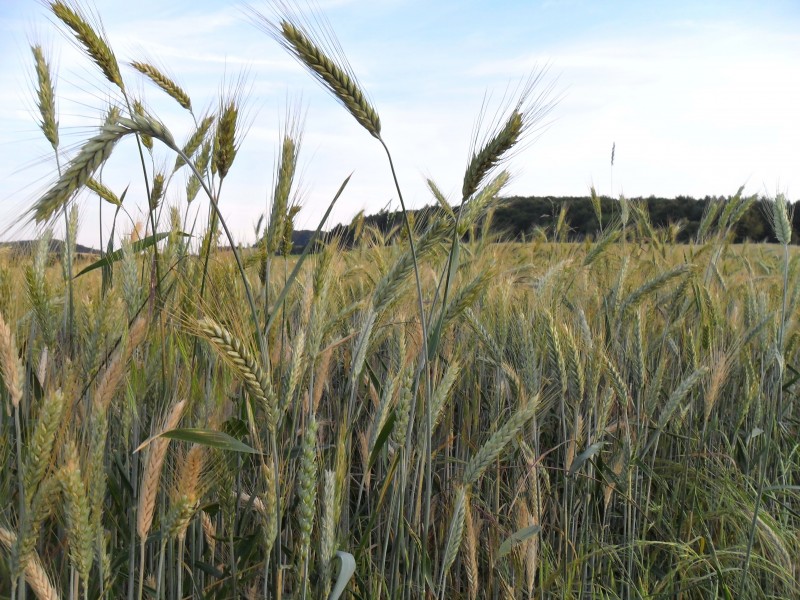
x=426, y=414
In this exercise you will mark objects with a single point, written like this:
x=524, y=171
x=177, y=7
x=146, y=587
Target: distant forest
x=572, y=218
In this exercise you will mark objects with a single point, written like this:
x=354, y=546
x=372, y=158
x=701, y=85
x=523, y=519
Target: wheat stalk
x=165, y=83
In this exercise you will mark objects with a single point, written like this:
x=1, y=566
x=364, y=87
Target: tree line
x=576, y=218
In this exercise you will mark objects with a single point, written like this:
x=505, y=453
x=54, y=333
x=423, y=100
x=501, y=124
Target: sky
x=699, y=99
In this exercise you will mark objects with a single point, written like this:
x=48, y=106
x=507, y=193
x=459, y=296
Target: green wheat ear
x=337, y=79
x=492, y=153
x=45, y=94
x=93, y=154
x=225, y=146
x=94, y=45
x=167, y=84
x=335, y=75
x=513, y=123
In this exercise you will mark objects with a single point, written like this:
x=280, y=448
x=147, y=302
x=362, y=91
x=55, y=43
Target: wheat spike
x=327, y=538
x=471, y=560
x=189, y=489
x=104, y=192
x=147, y=140
x=144, y=124
x=245, y=365
x=93, y=154
x=40, y=445
x=35, y=574
x=157, y=191
x=780, y=220
x=156, y=454
x=339, y=81
x=306, y=491
x=40, y=507
x=165, y=83
x=79, y=529
x=209, y=532
x=508, y=130
x=337, y=78
x=270, y=508
x=194, y=142
x=280, y=200
x=201, y=164
x=46, y=97
x=489, y=452
x=39, y=291
x=454, y=536
x=405, y=399
x=492, y=153
x=95, y=45
x=10, y=364
x=115, y=370
x=180, y=513
x=529, y=549
x=225, y=145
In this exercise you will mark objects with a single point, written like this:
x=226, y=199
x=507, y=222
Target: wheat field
x=428, y=413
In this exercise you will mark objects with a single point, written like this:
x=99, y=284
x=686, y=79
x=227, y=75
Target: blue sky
x=699, y=97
